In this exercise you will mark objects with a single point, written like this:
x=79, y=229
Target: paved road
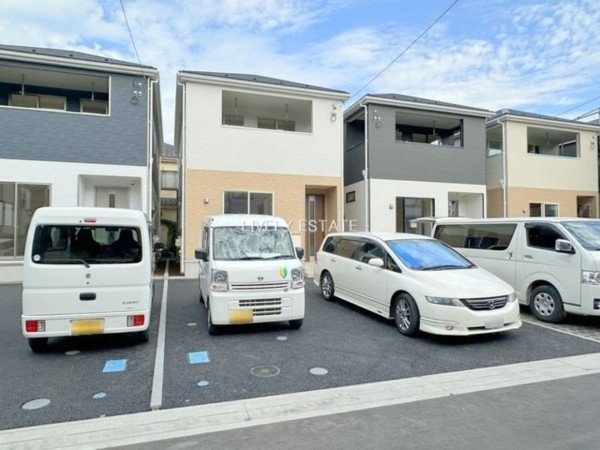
x=347, y=346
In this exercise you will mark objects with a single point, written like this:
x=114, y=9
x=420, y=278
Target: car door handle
x=332, y=259
x=527, y=256
x=358, y=267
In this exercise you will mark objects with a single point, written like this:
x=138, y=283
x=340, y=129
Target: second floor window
x=433, y=129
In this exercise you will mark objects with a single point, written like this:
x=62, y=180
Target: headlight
x=590, y=278
x=512, y=297
x=297, y=278
x=444, y=301
x=219, y=281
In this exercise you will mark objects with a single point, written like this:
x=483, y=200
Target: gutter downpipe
x=366, y=171
x=504, y=170
x=150, y=174
x=182, y=176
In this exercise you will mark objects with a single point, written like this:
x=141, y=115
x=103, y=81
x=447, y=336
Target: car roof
x=384, y=236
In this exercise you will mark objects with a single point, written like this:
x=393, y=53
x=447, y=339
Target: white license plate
x=496, y=322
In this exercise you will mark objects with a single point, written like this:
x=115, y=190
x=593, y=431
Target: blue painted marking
x=115, y=365
x=198, y=357
x=202, y=383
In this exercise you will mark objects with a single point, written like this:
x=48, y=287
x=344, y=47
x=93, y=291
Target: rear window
x=74, y=244
x=489, y=236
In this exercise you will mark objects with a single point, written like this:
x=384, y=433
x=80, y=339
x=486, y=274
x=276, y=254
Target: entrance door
x=315, y=224
x=408, y=209
x=112, y=197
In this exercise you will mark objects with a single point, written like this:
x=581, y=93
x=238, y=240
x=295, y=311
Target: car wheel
x=295, y=324
x=406, y=315
x=546, y=305
x=38, y=345
x=212, y=328
x=327, y=286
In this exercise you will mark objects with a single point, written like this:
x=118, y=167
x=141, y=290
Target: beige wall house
x=169, y=197
x=541, y=166
x=251, y=144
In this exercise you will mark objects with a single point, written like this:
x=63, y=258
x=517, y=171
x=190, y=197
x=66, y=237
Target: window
x=489, y=236
x=542, y=236
x=87, y=105
x=433, y=129
x=169, y=179
x=233, y=119
x=38, y=101
x=347, y=248
x=350, y=196
x=494, y=148
x=17, y=204
x=543, y=210
x=270, y=124
x=240, y=202
x=550, y=142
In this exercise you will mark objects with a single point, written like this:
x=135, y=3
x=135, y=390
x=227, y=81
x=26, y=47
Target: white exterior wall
x=213, y=146
x=384, y=192
x=354, y=212
x=65, y=190
x=550, y=172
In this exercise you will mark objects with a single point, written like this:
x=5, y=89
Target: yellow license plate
x=81, y=327
x=241, y=316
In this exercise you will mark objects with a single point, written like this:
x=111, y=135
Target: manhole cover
x=264, y=371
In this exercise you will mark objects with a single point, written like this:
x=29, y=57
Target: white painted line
x=159, y=362
x=560, y=330
x=196, y=420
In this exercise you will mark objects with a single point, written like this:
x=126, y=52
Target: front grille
x=267, y=312
x=261, y=286
x=260, y=302
x=482, y=304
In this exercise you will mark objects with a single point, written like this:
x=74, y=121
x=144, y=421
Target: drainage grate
x=264, y=371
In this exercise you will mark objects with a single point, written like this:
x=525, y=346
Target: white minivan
x=249, y=271
x=420, y=282
x=553, y=263
x=86, y=271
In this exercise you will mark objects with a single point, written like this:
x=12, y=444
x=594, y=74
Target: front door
x=315, y=224
x=112, y=197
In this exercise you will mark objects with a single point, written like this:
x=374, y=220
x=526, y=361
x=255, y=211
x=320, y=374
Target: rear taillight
x=35, y=326
x=135, y=321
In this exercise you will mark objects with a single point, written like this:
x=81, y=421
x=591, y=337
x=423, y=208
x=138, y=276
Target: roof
x=380, y=235
x=262, y=80
x=526, y=115
x=246, y=220
x=68, y=57
x=407, y=101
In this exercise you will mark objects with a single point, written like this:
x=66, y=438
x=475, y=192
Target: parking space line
x=196, y=420
x=159, y=362
x=560, y=330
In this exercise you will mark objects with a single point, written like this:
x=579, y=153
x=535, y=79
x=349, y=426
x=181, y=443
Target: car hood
x=474, y=282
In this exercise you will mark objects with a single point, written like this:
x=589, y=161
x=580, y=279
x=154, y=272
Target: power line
x=579, y=106
x=406, y=49
x=131, y=37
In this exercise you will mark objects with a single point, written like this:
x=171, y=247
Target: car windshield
x=427, y=254
x=247, y=243
x=587, y=232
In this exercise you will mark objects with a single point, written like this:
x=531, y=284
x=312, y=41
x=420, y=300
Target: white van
x=553, y=263
x=250, y=271
x=86, y=271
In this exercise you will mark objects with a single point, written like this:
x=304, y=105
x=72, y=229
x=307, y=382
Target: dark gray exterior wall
x=393, y=160
x=119, y=138
x=354, y=150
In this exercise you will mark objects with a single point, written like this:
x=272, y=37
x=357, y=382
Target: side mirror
x=300, y=252
x=376, y=262
x=563, y=246
x=201, y=255
x=158, y=246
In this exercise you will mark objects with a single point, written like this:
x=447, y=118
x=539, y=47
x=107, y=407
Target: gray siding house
x=77, y=130
x=408, y=157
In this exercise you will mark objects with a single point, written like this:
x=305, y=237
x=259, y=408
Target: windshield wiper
x=281, y=257
x=247, y=258
x=444, y=266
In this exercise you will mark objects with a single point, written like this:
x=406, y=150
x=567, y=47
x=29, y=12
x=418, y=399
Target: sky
x=535, y=56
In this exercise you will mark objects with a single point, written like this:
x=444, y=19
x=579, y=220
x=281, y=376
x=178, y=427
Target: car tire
x=213, y=329
x=38, y=345
x=144, y=336
x=296, y=324
x=406, y=314
x=327, y=287
x=546, y=305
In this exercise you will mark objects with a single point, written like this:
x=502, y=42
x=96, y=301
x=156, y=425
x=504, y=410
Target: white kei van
x=249, y=271
x=553, y=263
x=86, y=271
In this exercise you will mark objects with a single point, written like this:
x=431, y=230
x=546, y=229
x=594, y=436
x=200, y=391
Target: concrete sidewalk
x=188, y=424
